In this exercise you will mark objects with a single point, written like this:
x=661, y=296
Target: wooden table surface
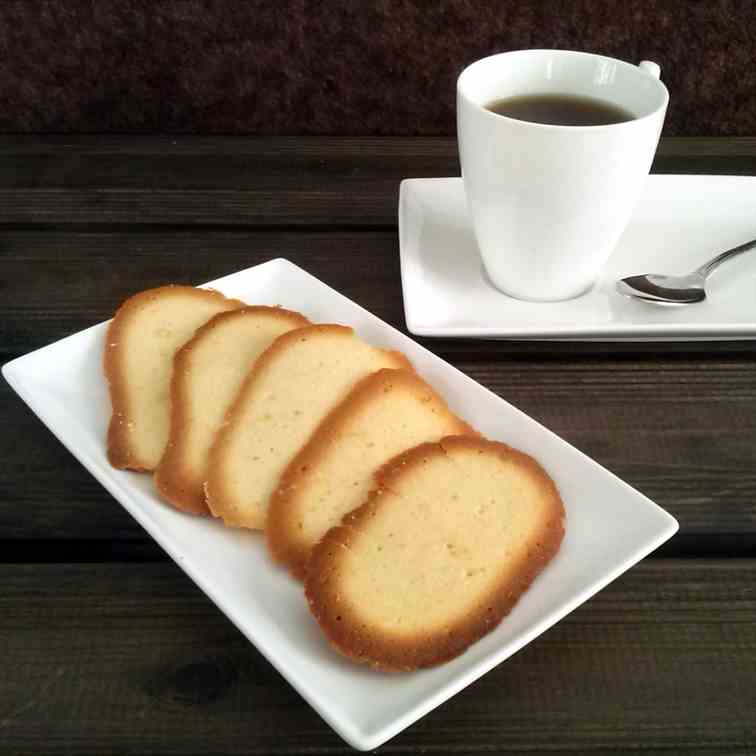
x=108, y=648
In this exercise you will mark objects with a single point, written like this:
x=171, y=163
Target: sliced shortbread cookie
x=385, y=414
x=140, y=344
x=207, y=374
x=294, y=384
x=437, y=556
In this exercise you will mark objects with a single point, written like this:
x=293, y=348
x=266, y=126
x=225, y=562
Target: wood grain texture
x=55, y=282
x=114, y=660
x=679, y=427
x=681, y=431
x=61, y=281
x=255, y=181
x=108, y=657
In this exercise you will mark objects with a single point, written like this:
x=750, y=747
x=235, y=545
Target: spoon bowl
x=664, y=289
x=688, y=289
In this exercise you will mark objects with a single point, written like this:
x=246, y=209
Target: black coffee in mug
x=560, y=110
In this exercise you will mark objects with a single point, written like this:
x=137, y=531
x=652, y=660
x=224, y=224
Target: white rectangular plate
x=610, y=526
x=678, y=224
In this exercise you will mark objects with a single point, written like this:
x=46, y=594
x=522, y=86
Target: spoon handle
x=709, y=267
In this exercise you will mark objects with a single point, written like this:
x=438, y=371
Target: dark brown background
x=340, y=67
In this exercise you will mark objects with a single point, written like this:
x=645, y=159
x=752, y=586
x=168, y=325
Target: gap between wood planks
x=89, y=551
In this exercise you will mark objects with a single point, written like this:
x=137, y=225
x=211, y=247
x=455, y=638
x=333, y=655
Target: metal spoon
x=688, y=289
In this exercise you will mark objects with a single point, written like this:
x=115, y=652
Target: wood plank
x=63, y=281
x=681, y=431
x=106, y=659
x=256, y=180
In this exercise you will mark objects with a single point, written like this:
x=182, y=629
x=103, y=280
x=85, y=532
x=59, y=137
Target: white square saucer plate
x=679, y=223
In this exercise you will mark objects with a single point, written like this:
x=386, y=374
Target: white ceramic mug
x=549, y=203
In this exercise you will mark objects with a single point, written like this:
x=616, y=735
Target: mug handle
x=650, y=68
